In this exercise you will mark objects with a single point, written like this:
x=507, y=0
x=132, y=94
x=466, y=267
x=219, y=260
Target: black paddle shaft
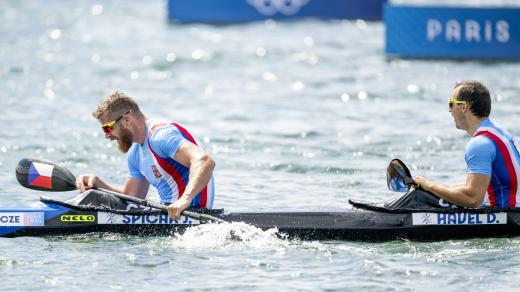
x=47, y=176
x=195, y=215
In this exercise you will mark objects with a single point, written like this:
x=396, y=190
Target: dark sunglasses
x=108, y=127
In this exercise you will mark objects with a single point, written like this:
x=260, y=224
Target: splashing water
x=225, y=235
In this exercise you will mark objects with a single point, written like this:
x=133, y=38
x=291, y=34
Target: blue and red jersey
x=492, y=152
x=153, y=160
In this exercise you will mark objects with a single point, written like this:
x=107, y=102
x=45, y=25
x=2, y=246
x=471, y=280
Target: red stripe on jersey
x=509, y=164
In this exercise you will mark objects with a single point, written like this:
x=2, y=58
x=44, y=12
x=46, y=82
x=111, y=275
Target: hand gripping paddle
x=398, y=176
x=47, y=176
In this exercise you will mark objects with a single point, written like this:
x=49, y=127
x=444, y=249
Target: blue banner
x=229, y=11
x=452, y=32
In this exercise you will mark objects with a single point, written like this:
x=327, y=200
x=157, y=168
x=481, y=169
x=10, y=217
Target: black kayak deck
x=406, y=217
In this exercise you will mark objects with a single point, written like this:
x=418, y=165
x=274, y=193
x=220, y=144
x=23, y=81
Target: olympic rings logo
x=271, y=7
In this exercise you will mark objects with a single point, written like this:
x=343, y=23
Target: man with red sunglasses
x=163, y=154
x=492, y=158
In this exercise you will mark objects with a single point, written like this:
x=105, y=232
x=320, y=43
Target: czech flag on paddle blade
x=40, y=175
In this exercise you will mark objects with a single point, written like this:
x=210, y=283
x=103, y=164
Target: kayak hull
x=361, y=225
x=353, y=224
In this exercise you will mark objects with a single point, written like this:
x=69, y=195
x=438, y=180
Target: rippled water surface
x=298, y=115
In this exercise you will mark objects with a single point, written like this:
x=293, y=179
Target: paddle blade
x=398, y=176
x=44, y=176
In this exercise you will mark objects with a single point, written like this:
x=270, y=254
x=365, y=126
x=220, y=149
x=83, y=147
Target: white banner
x=459, y=218
x=111, y=218
x=22, y=219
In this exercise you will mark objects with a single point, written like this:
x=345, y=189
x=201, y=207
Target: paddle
x=45, y=175
x=398, y=176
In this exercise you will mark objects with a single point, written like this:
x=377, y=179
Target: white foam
x=228, y=235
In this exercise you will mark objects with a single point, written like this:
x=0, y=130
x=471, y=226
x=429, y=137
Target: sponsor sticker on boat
x=22, y=219
x=78, y=218
x=111, y=218
x=459, y=218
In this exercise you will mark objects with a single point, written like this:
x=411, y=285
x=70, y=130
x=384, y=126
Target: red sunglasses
x=108, y=127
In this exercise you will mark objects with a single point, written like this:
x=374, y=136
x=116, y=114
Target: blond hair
x=115, y=104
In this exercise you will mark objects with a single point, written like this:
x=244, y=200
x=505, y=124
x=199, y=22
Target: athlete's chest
x=148, y=167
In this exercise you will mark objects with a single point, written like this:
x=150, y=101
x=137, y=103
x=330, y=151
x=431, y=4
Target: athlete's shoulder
x=494, y=129
x=479, y=143
x=165, y=138
x=480, y=148
x=160, y=129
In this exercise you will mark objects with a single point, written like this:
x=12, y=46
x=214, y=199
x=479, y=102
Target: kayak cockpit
x=418, y=200
x=97, y=200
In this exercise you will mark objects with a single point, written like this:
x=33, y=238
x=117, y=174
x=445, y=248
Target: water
x=298, y=115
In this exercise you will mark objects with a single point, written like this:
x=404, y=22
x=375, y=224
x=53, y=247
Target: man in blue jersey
x=163, y=154
x=493, y=160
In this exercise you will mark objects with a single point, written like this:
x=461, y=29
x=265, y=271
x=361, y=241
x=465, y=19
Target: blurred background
x=300, y=114
x=303, y=113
